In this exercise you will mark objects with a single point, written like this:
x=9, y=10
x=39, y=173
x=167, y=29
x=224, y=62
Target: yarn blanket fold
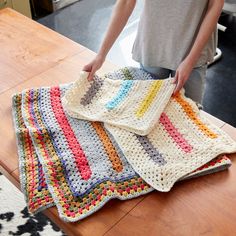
x=128, y=98
x=79, y=164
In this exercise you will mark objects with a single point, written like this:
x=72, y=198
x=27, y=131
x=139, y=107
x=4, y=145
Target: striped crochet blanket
x=119, y=136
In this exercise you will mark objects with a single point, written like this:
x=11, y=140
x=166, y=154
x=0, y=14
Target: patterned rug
x=79, y=165
x=15, y=218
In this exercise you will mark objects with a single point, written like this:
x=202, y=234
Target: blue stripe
x=122, y=93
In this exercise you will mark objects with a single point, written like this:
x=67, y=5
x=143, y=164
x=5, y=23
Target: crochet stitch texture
x=79, y=165
x=134, y=101
x=178, y=139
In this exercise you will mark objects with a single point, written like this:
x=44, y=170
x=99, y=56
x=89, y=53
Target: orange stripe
x=193, y=116
x=109, y=148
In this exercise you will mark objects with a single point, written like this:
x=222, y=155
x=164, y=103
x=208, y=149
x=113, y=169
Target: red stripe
x=79, y=156
x=175, y=134
x=44, y=150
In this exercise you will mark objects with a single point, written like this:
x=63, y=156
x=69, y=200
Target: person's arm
x=120, y=16
x=206, y=29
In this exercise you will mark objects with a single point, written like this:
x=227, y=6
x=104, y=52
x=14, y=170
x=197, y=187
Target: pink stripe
x=79, y=155
x=174, y=133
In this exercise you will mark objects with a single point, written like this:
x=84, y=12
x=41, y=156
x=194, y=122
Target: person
x=174, y=38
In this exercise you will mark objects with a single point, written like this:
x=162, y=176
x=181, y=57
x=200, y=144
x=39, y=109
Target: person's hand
x=182, y=74
x=93, y=66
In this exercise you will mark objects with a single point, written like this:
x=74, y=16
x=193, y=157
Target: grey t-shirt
x=167, y=30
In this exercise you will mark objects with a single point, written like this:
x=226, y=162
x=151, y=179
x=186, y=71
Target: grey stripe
x=154, y=154
x=92, y=91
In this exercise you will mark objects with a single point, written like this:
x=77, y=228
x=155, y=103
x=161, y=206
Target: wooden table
x=33, y=56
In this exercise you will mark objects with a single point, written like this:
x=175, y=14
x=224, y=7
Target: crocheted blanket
x=128, y=98
x=177, y=139
x=79, y=165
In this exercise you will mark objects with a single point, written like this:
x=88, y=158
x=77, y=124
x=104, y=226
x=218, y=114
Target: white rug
x=14, y=216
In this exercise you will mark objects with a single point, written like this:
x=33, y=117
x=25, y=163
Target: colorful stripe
x=35, y=196
x=175, y=134
x=59, y=158
x=95, y=86
x=147, y=101
x=121, y=95
x=212, y=163
x=71, y=208
x=32, y=188
x=41, y=181
x=56, y=173
x=38, y=193
x=193, y=116
x=41, y=139
x=80, y=207
x=44, y=122
x=152, y=152
x=79, y=155
x=108, y=146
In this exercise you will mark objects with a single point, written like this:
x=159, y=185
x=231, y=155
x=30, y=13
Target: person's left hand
x=182, y=74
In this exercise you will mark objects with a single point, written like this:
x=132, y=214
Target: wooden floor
x=33, y=56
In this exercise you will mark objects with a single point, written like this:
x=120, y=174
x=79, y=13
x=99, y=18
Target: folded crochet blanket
x=178, y=139
x=133, y=101
x=79, y=165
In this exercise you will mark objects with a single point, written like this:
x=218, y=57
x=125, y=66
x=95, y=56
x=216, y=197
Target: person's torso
x=167, y=30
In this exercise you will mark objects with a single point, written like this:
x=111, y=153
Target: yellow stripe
x=155, y=87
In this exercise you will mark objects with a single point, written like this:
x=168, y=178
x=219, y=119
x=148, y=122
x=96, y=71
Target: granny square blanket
x=79, y=165
x=179, y=139
x=120, y=99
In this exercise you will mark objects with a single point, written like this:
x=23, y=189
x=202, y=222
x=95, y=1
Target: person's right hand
x=93, y=66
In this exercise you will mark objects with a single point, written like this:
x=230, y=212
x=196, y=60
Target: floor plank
x=202, y=206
